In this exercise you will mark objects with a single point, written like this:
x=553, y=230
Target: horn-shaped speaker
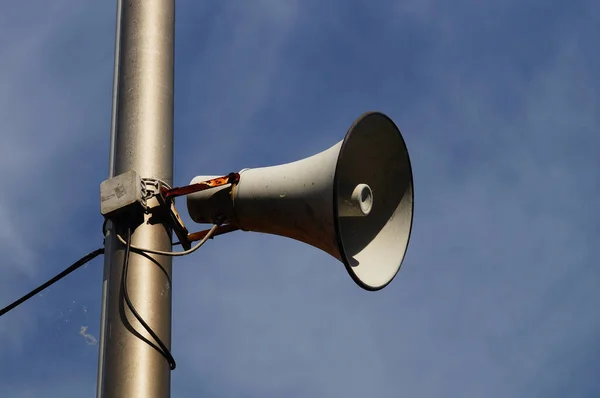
x=353, y=200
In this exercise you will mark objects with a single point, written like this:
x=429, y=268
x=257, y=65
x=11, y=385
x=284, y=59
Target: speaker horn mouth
x=373, y=220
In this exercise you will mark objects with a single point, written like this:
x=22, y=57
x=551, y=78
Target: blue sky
x=499, y=104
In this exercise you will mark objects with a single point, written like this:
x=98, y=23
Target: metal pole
x=109, y=238
x=128, y=366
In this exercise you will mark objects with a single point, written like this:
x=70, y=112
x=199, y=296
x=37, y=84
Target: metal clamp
x=166, y=198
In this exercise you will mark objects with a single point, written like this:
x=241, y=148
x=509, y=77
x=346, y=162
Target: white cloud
x=233, y=65
x=46, y=105
x=495, y=239
x=89, y=339
x=497, y=281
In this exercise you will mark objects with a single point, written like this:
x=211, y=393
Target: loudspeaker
x=353, y=200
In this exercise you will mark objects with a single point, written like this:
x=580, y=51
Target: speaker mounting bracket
x=166, y=196
x=231, y=178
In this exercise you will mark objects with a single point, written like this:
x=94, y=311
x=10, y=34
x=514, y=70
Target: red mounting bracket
x=167, y=195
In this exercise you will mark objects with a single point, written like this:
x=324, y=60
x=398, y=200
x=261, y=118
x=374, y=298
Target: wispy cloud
x=500, y=144
x=232, y=63
x=498, y=104
x=51, y=117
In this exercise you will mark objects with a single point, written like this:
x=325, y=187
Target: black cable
x=58, y=277
x=163, y=350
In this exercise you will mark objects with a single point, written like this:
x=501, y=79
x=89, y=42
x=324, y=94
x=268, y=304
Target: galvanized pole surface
x=144, y=142
x=109, y=237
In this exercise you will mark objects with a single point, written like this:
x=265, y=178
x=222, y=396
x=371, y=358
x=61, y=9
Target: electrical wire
x=58, y=277
x=173, y=254
x=156, y=180
x=161, y=348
